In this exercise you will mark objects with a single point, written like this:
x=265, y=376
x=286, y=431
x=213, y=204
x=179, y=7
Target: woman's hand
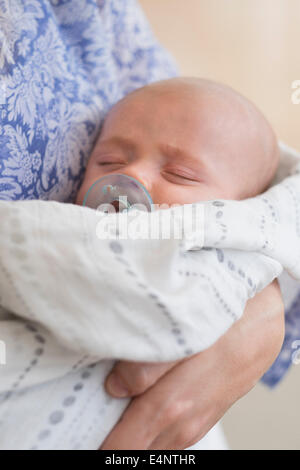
x=178, y=402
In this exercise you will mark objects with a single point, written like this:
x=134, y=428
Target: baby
x=186, y=140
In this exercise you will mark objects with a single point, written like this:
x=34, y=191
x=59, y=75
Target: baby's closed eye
x=176, y=174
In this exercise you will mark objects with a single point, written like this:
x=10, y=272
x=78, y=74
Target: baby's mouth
x=118, y=193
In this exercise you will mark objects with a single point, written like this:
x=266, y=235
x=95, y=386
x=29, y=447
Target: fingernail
x=116, y=387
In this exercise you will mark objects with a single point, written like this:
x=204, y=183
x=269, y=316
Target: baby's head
x=186, y=140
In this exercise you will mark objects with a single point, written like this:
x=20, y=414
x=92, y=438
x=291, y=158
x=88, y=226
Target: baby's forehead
x=191, y=112
x=189, y=99
x=183, y=113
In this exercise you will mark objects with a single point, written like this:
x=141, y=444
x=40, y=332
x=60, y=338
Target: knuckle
x=174, y=411
x=187, y=436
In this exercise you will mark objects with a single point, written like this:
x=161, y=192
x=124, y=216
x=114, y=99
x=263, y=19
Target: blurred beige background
x=253, y=46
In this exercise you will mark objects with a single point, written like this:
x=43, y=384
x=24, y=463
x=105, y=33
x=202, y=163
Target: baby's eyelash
x=110, y=163
x=178, y=175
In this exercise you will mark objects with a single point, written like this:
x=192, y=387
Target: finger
x=133, y=431
x=149, y=415
x=128, y=379
x=180, y=435
x=188, y=430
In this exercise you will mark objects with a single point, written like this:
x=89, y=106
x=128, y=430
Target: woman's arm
x=165, y=415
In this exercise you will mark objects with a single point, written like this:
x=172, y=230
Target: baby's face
x=181, y=145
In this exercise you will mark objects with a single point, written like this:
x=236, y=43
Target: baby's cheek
x=170, y=194
x=90, y=178
x=80, y=195
x=200, y=192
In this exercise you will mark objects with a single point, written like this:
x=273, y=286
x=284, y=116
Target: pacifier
x=118, y=193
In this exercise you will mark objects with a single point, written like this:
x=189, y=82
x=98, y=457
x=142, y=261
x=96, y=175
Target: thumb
x=128, y=379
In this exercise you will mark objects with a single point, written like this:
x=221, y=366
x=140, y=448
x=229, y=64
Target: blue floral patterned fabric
x=63, y=64
x=290, y=346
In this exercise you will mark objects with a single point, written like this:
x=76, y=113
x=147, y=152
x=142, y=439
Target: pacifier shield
x=118, y=193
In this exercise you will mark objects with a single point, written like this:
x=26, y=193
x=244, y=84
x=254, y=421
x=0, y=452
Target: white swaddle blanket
x=72, y=304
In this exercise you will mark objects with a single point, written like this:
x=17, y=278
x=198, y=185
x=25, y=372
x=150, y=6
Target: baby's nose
x=142, y=175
